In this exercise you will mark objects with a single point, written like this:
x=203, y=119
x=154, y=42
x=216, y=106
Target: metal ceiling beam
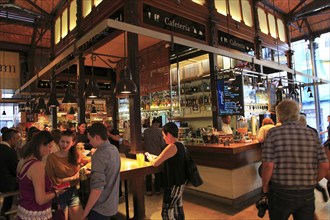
x=59, y=6
x=220, y=50
x=42, y=11
x=72, y=48
x=308, y=26
x=9, y=46
x=296, y=7
x=315, y=34
x=313, y=8
x=16, y=22
x=17, y=8
x=273, y=7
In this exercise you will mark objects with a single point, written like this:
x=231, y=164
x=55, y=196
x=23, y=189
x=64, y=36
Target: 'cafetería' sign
x=236, y=43
x=165, y=20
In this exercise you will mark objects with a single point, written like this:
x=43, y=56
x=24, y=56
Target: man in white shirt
x=226, y=124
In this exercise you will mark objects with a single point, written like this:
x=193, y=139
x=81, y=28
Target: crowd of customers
x=45, y=167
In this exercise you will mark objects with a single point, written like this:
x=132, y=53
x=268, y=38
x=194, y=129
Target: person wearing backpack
x=173, y=172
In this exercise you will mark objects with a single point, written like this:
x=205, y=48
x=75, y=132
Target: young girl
x=35, y=189
x=63, y=169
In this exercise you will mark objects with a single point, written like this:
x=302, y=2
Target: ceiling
x=24, y=24
x=307, y=18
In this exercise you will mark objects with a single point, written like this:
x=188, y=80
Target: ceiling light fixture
x=27, y=106
x=53, y=102
x=68, y=97
x=93, y=110
x=309, y=89
x=41, y=104
x=92, y=91
x=47, y=112
x=4, y=112
x=125, y=86
x=71, y=111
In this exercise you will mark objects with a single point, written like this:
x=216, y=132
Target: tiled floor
x=205, y=209
x=197, y=208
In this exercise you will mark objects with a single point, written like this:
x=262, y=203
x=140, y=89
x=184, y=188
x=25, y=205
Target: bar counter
x=228, y=157
x=229, y=172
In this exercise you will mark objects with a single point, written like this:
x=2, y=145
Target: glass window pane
x=73, y=15
x=226, y=62
x=221, y=7
x=281, y=30
x=200, y=2
x=235, y=10
x=272, y=25
x=97, y=2
x=247, y=14
x=64, y=21
x=87, y=8
x=262, y=21
x=57, y=30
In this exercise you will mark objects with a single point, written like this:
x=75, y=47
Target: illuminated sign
x=168, y=21
x=235, y=43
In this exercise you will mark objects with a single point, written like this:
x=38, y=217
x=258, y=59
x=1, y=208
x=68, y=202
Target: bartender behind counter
x=226, y=124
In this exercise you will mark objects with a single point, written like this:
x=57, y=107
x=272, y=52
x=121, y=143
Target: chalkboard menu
x=230, y=95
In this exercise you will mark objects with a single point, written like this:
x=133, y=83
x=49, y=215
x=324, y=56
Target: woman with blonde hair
x=267, y=124
x=63, y=169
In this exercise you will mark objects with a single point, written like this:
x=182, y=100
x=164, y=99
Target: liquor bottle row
x=187, y=89
x=196, y=101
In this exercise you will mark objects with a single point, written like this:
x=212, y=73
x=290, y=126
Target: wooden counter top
x=227, y=157
x=233, y=148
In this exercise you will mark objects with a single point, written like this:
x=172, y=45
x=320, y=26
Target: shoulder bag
x=192, y=173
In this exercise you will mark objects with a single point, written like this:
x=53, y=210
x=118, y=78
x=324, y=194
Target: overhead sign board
x=235, y=43
x=175, y=23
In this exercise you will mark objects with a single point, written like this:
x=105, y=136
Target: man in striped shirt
x=293, y=161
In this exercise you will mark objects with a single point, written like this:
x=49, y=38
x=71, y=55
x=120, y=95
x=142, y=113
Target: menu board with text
x=230, y=95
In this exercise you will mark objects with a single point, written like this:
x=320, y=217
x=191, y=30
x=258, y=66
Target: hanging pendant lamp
x=93, y=110
x=53, y=102
x=311, y=95
x=27, y=106
x=47, y=112
x=41, y=104
x=71, y=111
x=125, y=86
x=309, y=89
x=34, y=109
x=4, y=112
x=92, y=91
x=68, y=97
